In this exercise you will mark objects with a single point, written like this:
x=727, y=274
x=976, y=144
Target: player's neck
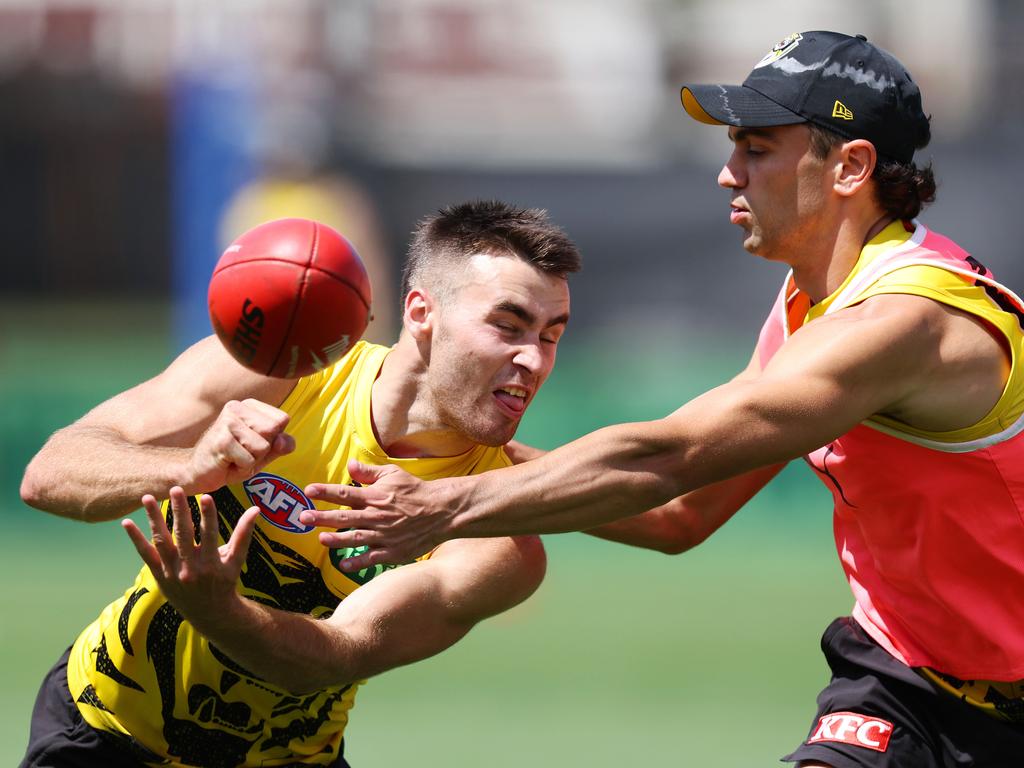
x=402, y=421
x=821, y=275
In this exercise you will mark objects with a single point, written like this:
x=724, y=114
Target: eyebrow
x=745, y=133
x=526, y=315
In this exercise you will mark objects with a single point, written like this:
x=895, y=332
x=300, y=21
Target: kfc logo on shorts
x=279, y=500
x=856, y=730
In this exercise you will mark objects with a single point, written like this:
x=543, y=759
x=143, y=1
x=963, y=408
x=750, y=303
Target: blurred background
x=138, y=137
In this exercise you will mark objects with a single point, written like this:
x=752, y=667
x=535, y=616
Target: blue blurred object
x=214, y=121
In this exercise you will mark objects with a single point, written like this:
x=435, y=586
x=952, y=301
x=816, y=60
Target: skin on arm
x=892, y=354
x=682, y=523
x=686, y=521
x=401, y=616
x=520, y=452
x=203, y=421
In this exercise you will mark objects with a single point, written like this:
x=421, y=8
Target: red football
x=289, y=297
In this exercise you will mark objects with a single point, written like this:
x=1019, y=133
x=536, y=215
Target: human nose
x=732, y=175
x=530, y=356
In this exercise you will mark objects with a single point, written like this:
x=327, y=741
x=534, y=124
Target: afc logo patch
x=279, y=500
x=856, y=730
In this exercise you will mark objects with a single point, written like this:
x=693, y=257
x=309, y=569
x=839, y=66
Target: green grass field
x=709, y=658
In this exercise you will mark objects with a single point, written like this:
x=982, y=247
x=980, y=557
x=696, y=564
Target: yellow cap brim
x=695, y=110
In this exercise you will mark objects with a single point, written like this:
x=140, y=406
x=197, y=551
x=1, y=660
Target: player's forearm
x=293, y=651
x=657, y=529
x=609, y=474
x=93, y=474
x=623, y=470
x=685, y=522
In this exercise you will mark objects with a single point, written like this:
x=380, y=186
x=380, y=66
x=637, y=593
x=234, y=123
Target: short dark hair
x=901, y=189
x=441, y=243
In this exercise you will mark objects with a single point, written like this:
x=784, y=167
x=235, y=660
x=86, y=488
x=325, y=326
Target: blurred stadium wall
x=138, y=137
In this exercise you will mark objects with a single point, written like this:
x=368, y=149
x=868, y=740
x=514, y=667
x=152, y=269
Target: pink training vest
x=930, y=535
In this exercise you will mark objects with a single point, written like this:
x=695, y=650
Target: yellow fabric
x=1004, y=701
x=140, y=669
x=956, y=291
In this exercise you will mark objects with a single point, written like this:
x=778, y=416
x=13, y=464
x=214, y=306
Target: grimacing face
x=779, y=190
x=493, y=346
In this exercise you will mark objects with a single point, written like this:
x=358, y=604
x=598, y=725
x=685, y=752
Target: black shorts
x=60, y=738
x=878, y=713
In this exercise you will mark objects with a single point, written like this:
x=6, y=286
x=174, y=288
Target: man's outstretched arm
x=401, y=616
x=827, y=378
x=203, y=421
x=685, y=522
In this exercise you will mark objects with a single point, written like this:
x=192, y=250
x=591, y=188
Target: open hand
x=396, y=516
x=198, y=579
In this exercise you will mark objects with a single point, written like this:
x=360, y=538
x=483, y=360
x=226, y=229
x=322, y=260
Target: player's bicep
x=416, y=611
x=174, y=407
x=752, y=370
x=826, y=378
x=839, y=371
x=484, y=577
x=858, y=362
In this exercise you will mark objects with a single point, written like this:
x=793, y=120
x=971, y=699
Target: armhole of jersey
x=302, y=387
x=1004, y=411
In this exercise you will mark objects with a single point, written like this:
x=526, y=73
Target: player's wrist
x=227, y=614
x=195, y=473
x=466, y=509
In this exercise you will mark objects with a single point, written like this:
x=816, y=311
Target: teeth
x=514, y=391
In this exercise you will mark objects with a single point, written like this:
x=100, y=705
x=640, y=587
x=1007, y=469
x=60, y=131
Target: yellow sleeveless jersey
x=949, y=288
x=142, y=673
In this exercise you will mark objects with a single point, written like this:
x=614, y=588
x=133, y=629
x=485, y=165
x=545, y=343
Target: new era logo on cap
x=856, y=730
x=841, y=111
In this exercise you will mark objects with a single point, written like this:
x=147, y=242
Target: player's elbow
x=674, y=539
x=673, y=545
x=519, y=576
x=534, y=559
x=40, y=490
x=677, y=529
x=33, y=485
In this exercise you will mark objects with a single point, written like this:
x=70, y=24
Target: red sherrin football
x=289, y=297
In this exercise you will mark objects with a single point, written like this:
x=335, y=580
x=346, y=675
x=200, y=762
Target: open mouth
x=511, y=399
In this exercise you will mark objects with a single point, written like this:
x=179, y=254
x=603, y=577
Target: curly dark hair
x=901, y=189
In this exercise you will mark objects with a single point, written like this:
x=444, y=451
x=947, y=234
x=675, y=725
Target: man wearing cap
x=891, y=362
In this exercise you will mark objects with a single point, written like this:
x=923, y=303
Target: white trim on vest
x=884, y=265
x=881, y=266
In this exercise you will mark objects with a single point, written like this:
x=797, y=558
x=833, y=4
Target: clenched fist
x=244, y=438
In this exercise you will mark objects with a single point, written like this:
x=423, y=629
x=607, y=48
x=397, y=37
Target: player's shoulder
x=891, y=314
x=881, y=337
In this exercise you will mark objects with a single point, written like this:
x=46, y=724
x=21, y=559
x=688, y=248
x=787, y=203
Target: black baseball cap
x=839, y=82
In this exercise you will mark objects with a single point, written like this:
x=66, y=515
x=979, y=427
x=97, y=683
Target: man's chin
x=498, y=438
x=492, y=435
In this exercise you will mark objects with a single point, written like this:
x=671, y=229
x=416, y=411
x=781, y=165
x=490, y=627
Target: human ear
x=418, y=314
x=857, y=163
